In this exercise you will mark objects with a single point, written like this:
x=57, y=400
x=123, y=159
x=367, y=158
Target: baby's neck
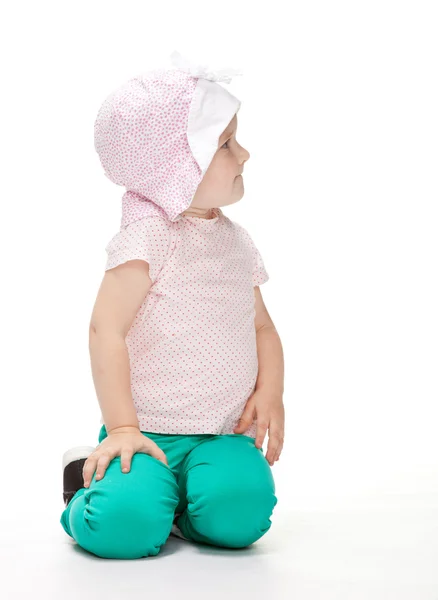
x=197, y=212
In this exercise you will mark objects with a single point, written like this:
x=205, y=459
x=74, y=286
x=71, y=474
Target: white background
x=339, y=114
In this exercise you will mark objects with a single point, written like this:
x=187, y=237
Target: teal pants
x=222, y=486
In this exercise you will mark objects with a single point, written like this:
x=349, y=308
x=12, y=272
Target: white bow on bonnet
x=223, y=75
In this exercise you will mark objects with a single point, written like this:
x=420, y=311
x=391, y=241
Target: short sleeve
x=146, y=239
x=259, y=272
x=259, y=275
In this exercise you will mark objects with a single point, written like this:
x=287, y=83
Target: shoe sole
x=76, y=453
x=177, y=532
x=175, y=529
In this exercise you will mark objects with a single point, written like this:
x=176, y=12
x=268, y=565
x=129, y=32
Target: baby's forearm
x=271, y=360
x=111, y=375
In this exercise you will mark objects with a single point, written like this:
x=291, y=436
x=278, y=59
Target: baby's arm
x=120, y=296
x=262, y=317
x=269, y=349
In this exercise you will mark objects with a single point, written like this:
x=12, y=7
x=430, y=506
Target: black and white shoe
x=175, y=529
x=73, y=461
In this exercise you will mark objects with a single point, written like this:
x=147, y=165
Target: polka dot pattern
x=140, y=135
x=192, y=345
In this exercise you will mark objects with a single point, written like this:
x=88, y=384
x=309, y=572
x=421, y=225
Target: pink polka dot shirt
x=192, y=345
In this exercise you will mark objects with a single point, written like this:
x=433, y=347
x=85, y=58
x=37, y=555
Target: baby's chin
x=234, y=198
x=238, y=187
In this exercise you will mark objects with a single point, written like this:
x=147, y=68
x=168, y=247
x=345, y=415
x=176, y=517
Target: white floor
x=372, y=552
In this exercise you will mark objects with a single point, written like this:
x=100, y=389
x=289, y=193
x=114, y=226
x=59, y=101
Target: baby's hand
x=124, y=442
x=268, y=409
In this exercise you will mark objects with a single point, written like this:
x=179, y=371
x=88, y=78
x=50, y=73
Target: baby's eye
x=224, y=144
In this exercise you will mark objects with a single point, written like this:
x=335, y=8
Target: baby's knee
x=115, y=521
x=234, y=517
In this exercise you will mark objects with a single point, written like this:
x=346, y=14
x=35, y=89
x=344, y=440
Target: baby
x=186, y=361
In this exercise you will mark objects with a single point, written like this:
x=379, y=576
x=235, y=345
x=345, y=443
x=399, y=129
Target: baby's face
x=222, y=183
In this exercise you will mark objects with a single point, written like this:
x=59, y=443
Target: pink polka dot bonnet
x=157, y=134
